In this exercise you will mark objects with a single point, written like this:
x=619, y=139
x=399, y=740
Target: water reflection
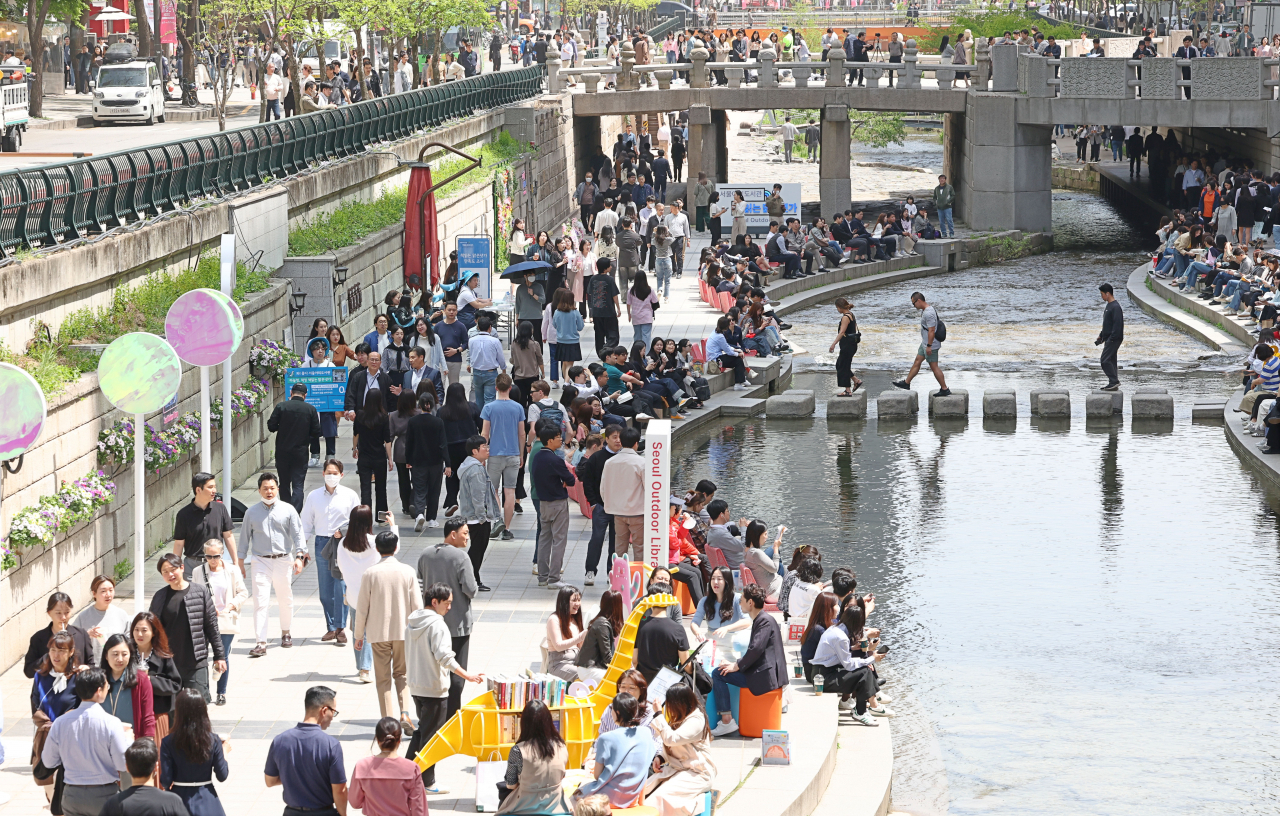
x=1081, y=621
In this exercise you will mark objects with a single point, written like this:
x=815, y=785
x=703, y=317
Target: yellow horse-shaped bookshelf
x=475, y=730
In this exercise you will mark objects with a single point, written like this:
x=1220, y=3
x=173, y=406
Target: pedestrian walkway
x=265, y=694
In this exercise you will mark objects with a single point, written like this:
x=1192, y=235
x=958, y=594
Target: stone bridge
x=999, y=128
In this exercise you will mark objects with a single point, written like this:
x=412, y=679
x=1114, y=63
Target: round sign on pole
x=24, y=411
x=202, y=327
x=139, y=373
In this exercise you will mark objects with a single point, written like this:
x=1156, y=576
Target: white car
x=129, y=92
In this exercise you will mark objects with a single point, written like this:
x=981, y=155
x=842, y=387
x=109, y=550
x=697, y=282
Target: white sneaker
x=882, y=711
x=724, y=728
x=535, y=569
x=884, y=698
x=432, y=523
x=420, y=523
x=865, y=719
x=642, y=416
x=314, y=461
x=739, y=387
x=847, y=705
x=590, y=580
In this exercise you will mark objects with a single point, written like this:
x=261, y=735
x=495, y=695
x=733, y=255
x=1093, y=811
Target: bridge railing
x=767, y=72
x=54, y=203
x=1213, y=78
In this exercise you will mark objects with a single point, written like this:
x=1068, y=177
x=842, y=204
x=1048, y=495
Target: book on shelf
x=512, y=693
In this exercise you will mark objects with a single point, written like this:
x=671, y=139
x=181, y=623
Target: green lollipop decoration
x=139, y=373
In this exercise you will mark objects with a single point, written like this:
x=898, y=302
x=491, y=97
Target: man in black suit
x=362, y=381
x=418, y=371
x=296, y=424
x=427, y=455
x=762, y=669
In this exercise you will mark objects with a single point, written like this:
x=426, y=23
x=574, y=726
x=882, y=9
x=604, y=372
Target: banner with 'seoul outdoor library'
x=657, y=472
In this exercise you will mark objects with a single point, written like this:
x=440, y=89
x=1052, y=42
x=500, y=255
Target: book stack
x=512, y=693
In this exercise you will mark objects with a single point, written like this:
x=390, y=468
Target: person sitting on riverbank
x=850, y=675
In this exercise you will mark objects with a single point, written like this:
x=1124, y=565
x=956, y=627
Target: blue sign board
x=474, y=255
x=326, y=387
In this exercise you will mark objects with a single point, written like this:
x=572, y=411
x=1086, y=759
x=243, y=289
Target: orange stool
x=686, y=602
x=638, y=809
x=759, y=714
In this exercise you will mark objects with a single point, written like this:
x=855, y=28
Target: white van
x=129, y=92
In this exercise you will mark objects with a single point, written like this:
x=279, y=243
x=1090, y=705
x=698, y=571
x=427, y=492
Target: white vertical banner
x=657, y=471
x=227, y=269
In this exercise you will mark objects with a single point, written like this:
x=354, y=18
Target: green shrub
x=352, y=223
x=991, y=24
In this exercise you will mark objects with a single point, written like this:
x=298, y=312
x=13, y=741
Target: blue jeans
x=1194, y=270
x=758, y=343
x=720, y=682
x=660, y=191
x=1238, y=294
x=554, y=365
x=945, y=224
x=601, y=522
x=364, y=657
x=226, y=649
x=662, y=275
x=1223, y=282
x=331, y=590
x=641, y=331
x=1115, y=149
x=274, y=110
x=1180, y=264
x=484, y=387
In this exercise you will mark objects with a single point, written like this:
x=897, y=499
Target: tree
x=219, y=22
x=38, y=13
x=416, y=19
x=876, y=128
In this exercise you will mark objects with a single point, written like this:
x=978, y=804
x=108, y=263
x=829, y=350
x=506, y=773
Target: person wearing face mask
x=273, y=538
x=531, y=299
x=388, y=595
x=326, y=509
x=585, y=196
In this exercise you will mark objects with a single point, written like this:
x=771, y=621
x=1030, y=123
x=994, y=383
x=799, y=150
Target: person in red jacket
x=684, y=557
x=129, y=696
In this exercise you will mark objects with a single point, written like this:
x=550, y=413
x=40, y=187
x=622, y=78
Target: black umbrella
x=518, y=271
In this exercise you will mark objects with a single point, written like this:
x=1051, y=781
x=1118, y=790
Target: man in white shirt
x=272, y=87
x=607, y=217
x=678, y=224
x=325, y=510
x=788, y=132
x=403, y=79
x=272, y=534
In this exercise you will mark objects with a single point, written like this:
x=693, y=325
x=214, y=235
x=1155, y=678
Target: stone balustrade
x=1225, y=79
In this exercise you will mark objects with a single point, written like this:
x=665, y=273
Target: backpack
x=701, y=388
x=553, y=412
x=940, y=333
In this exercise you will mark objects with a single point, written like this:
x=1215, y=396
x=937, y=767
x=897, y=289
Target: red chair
x=715, y=557
x=726, y=302
x=703, y=289
x=749, y=577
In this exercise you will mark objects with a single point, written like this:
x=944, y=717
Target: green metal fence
x=664, y=28
x=60, y=202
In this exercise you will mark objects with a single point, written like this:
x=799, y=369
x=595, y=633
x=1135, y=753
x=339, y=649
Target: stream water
x=1084, y=618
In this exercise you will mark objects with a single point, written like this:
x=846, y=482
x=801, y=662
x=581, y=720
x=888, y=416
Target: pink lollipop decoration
x=202, y=328
x=24, y=412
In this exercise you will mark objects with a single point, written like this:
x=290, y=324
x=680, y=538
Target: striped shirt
x=1270, y=374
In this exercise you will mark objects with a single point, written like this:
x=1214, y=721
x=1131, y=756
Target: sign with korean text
x=657, y=491
x=326, y=387
x=754, y=195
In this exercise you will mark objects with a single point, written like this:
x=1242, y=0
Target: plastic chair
x=686, y=601
x=749, y=577
x=638, y=809
x=716, y=558
x=726, y=302
x=759, y=714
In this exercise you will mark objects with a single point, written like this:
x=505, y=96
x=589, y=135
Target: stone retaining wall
x=1084, y=179
x=68, y=450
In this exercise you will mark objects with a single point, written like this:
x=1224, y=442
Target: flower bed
x=73, y=503
x=271, y=357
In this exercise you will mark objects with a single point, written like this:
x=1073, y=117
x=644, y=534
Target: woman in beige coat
x=687, y=771
x=226, y=585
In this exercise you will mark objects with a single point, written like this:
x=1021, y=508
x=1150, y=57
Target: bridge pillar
x=700, y=152
x=833, y=161
x=1005, y=178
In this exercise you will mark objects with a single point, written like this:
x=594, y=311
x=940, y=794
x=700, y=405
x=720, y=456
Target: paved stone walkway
x=265, y=694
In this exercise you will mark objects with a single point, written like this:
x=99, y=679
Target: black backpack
x=940, y=333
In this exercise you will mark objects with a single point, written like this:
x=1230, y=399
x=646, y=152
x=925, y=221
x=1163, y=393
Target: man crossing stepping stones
x=932, y=332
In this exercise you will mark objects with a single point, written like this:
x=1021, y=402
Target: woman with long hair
x=720, y=610
x=526, y=359
x=623, y=756
x=586, y=263
x=101, y=620
x=191, y=757
x=537, y=251
x=688, y=770
x=459, y=426
x=849, y=675
x=565, y=633
x=536, y=765
x=356, y=554
x=764, y=566
x=516, y=242
x=338, y=347
x=806, y=588
x=568, y=324
x=156, y=660
x=821, y=616
x=641, y=304
x=371, y=439
x=395, y=357
x=601, y=640
x=318, y=357
x=398, y=426
x=129, y=697
x=424, y=337
x=319, y=328
x=387, y=784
